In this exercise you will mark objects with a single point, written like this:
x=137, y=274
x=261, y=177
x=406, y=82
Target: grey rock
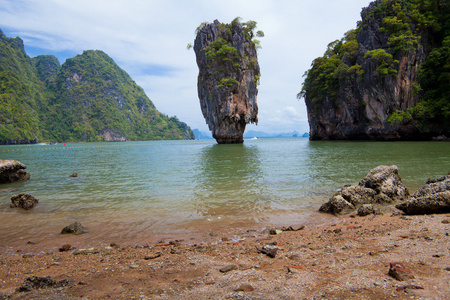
x=12, y=170
x=365, y=209
x=381, y=185
x=74, y=228
x=25, y=201
x=228, y=268
x=35, y=282
x=433, y=197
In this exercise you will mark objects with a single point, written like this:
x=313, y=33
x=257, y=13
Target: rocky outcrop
x=381, y=185
x=75, y=228
x=12, y=170
x=228, y=78
x=434, y=197
x=25, y=201
x=365, y=90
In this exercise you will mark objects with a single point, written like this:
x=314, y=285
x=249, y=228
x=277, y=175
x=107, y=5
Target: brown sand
x=346, y=259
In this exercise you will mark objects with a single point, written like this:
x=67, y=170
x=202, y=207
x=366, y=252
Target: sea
x=153, y=189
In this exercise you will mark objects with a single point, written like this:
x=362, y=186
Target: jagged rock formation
x=12, y=170
x=228, y=78
x=433, y=197
x=367, y=85
x=25, y=201
x=381, y=185
x=88, y=98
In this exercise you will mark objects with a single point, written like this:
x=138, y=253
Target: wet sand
x=344, y=257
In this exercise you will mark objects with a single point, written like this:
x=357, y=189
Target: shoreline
x=345, y=259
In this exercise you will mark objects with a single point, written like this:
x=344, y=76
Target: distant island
x=254, y=134
x=388, y=79
x=88, y=98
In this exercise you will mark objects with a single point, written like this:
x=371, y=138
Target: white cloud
x=148, y=40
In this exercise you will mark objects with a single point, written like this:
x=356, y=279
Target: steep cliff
x=88, y=98
x=368, y=84
x=97, y=100
x=228, y=77
x=20, y=94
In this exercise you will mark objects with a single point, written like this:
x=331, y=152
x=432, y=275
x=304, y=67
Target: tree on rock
x=228, y=77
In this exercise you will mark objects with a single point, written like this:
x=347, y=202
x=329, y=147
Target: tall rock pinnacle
x=228, y=77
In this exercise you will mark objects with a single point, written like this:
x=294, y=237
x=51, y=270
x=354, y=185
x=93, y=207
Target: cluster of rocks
x=383, y=185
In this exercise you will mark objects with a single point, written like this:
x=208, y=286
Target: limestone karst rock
x=369, y=85
x=228, y=78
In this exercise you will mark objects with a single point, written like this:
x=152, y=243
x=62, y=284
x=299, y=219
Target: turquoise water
x=159, y=186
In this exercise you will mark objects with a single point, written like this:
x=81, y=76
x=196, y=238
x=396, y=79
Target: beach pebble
x=399, y=271
x=244, y=288
x=228, y=268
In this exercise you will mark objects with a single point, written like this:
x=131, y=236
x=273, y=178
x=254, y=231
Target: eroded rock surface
x=12, y=170
x=25, y=201
x=381, y=185
x=74, y=228
x=433, y=197
x=228, y=78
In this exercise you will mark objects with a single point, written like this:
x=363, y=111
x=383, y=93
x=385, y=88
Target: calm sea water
x=160, y=186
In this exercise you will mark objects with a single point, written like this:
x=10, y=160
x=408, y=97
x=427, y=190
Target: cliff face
x=20, y=94
x=228, y=78
x=372, y=76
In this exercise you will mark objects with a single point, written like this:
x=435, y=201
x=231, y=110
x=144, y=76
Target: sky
x=148, y=39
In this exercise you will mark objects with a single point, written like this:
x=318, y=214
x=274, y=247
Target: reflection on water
x=228, y=181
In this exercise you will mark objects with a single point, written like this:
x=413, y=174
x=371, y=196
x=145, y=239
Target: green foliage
x=322, y=80
x=435, y=81
x=386, y=62
x=227, y=82
x=79, y=101
x=399, y=116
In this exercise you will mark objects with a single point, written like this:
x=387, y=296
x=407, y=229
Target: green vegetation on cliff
x=88, y=98
x=406, y=29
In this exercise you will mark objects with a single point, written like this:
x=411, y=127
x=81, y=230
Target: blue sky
x=148, y=39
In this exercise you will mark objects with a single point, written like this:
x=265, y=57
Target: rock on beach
x=433, y=197
x=381, y=185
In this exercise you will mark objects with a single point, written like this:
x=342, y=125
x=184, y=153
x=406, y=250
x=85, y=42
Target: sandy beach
x=349, y=258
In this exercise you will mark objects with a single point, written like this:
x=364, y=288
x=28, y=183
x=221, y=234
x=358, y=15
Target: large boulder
x=12, y=170
x=25, y=201
x=433, y=197
x=381, y=185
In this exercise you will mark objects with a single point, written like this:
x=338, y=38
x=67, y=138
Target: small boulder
x=381, y=185
x=74, y=228
x=35, y=282
x=433, y=197
x=228, y=268
x=25, y=201
x=12, y=170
